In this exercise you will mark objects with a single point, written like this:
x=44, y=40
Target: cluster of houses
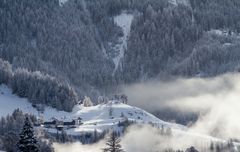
x=60, y=124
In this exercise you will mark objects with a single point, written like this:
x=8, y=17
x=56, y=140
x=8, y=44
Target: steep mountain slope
x=59, y=40
x=71, y=39
x=215, y=53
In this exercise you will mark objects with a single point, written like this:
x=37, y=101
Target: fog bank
x=216, y=99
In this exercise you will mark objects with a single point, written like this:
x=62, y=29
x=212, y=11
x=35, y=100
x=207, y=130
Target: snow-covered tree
x=113, y=144
x=124, y=98
x=191, y=149
x=1, y=144
x=41, y=88
x=100, y=100
x=87, y=102
x=10, y=129
x=110, y=111
x=95, y=136
x=27, y=142
x=5, y=71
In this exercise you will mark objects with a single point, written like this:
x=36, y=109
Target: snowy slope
x=177, y=2
x=10, y=102
x=124, y=21
x=95, y=117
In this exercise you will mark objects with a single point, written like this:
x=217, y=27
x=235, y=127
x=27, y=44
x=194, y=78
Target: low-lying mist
x=144, y=138
x=78, y=147
x=217, y=100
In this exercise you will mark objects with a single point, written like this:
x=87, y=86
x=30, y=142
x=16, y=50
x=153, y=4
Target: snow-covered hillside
x=99, y=117
x=10, y=102
x=93, y=118
x=96, y=117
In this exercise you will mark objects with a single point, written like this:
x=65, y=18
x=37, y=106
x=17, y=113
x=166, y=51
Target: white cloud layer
x=217, y=99
x=78, y=147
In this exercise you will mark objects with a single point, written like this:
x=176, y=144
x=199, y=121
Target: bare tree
x=113, y=144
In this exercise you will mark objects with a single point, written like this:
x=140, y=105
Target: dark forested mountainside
x=58, y=40
x=216, y=14
x=70, y=42
x=177, y=41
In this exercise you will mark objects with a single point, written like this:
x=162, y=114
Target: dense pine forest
x=66, y=45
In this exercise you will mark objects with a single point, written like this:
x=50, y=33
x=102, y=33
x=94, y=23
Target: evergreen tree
x=27, y=142
x=87, y=102
x=211, y=146
x=110, y=111
x=95, y=136
x=113, y=144
x=191, y=149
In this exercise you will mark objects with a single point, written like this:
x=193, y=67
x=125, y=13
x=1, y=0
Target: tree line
x=39, y=88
